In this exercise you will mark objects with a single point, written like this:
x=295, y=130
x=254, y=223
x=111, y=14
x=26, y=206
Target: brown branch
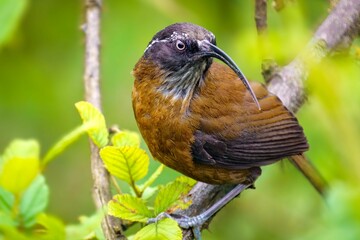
x=101, y=190
x=342, y=24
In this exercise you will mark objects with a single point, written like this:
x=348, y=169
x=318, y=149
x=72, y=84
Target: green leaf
x=166, y=229
x=95, y=122
x=34, y=201
x=172, y=196
x=20, y=162
x=7, y=200
x=54, y=229
x=152, y=178
x=63, y=143
x=23, y=149
x=126, y=138
x=12, y=233
x=11, y=12
x=87, y=227
x=24, y=170
x=129, y=208
x=126, y=163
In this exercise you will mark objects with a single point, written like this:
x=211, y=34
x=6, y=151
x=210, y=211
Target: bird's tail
x=310, y=172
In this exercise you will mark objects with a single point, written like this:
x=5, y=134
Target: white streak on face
x=174, y=36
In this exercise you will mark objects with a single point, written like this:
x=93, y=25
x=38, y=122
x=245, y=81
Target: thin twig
x=268, y=65
x=261, y=16
x=342, y=24
x=101, y=190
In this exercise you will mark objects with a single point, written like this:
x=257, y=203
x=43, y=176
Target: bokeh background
x=41, y=64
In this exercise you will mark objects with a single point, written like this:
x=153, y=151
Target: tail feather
x=310, y=172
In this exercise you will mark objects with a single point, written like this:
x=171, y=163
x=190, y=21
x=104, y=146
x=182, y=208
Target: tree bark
x=101, y=189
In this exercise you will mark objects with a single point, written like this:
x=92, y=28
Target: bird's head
x=183, y=52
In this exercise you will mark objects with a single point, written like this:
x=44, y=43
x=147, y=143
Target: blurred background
x=41, y=64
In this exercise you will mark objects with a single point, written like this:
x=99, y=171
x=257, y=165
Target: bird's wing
x=244, y=137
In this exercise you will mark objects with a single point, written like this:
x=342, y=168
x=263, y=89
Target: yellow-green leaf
x=87, y=227
x=95, y=122
x=166, y=229
x=126, y=138
x=126, y=163
x=172, y=196
x=129, y=208
x=22, y=148
x=18, y=172
x=55, y=228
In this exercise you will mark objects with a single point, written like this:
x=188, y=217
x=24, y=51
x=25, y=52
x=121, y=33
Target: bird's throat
x=183, y=83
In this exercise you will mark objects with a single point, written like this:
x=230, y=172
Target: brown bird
x=205, y=120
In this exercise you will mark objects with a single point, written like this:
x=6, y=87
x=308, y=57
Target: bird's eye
x=180, y=45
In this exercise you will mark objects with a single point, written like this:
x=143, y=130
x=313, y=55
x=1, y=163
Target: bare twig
x=268, y=64
x=101, y=190
x=342, y=24
x=261, y=16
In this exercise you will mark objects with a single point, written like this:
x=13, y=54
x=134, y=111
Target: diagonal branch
x=101, y=190
x=340, y=27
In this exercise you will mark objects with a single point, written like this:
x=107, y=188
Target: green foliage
x=24, y=194
x=172, y=196
x=125, y=138
x=127, y=163
x=34, y=201
x=23, y=202
x=89, y=227
x=95, y=122
x=164, y=229
x=20, y=162
x=54, y=229
x=130, y=208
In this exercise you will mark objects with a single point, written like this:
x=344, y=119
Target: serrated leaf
x=126, y=138
x=172, y=196
x=95, y=122
x=34, y=201
x=184, y=179
x=11, y=12
x=87, y=227
x=166, y=229
x=7, y=200
x=126, y=163
x=54, y=228
x=24, y=170
x=63, y=143
x=129, y=208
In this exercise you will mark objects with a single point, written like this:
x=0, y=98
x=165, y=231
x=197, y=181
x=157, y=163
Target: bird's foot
x=184, y=222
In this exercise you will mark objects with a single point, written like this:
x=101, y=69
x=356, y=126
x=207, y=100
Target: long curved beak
x=208, y=49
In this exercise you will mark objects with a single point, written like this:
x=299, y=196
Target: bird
x=204, y=119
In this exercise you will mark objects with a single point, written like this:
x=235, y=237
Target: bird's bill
x=208, y=49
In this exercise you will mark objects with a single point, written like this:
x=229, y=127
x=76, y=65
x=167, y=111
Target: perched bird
x=204, y=119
